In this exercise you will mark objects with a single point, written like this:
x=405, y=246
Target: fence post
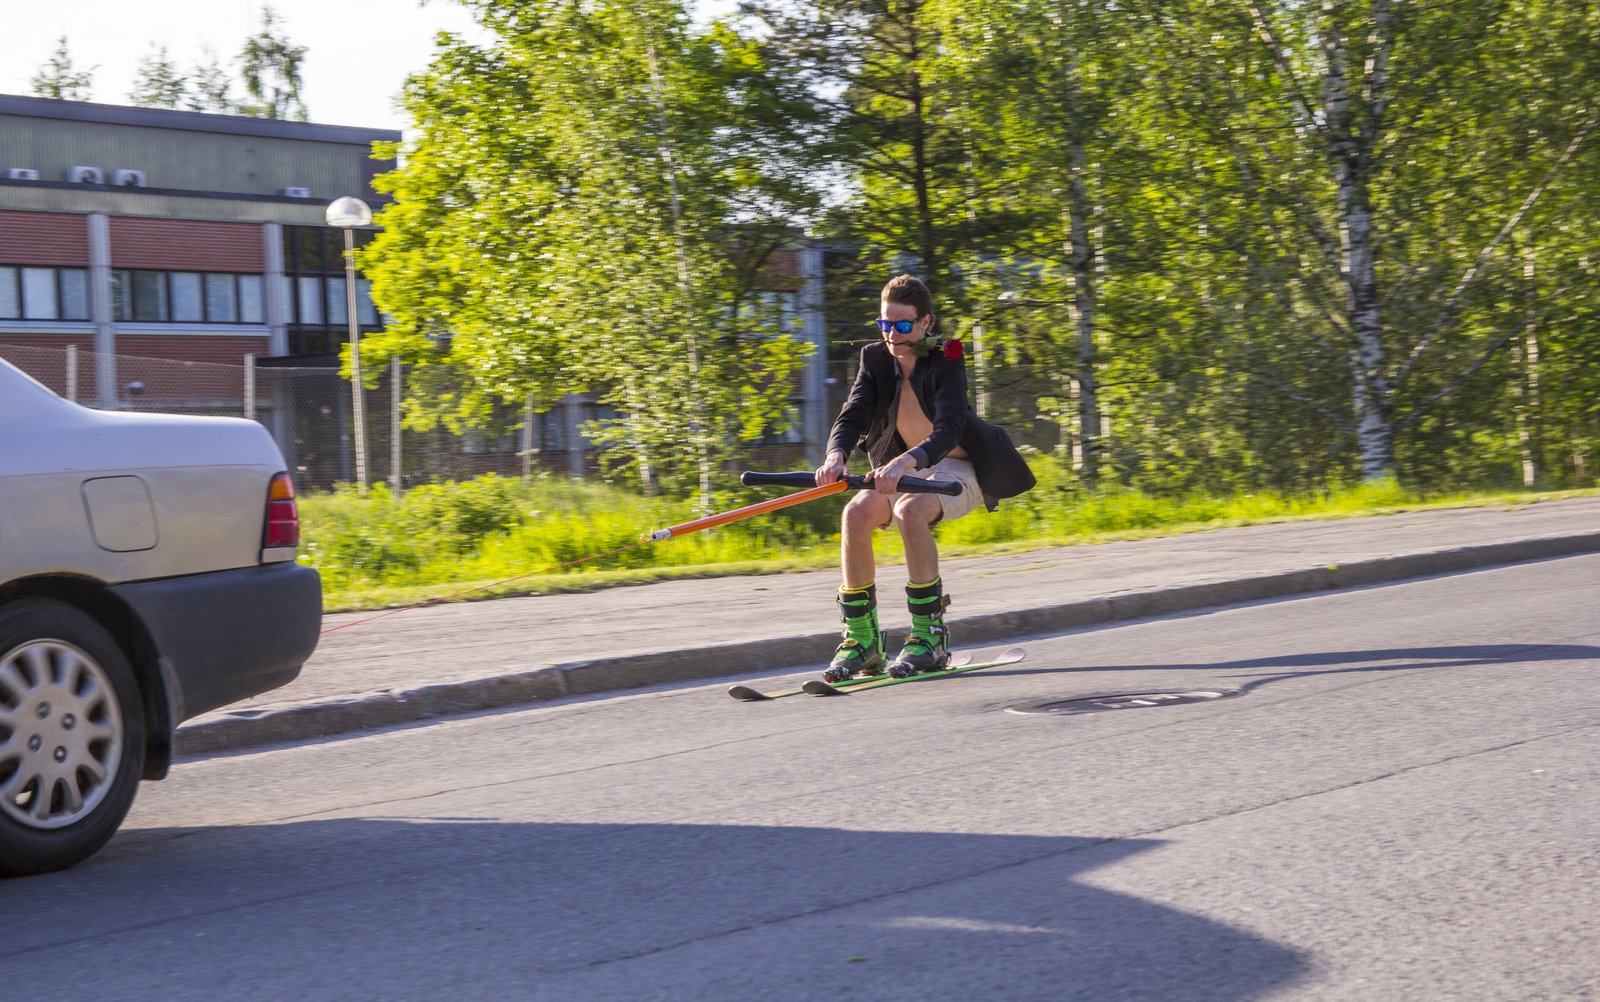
x=527, y=436
x=980, y=371
x=72, y=373
x=396, y=393
x=250, y=387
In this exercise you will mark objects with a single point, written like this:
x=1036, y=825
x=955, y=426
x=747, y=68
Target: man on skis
x=908, y=412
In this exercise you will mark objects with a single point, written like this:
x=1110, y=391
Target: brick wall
x=219, y=349
x=45, y=238
x=784, y=264
x=185, y=245
x=57, y=342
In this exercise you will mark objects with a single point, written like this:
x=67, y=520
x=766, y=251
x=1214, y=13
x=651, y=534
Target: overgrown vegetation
x=444, y=539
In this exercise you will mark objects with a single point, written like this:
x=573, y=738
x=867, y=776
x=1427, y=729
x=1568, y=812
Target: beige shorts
x=958, y=470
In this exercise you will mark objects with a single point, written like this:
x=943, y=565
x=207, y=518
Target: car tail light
x=283, y=517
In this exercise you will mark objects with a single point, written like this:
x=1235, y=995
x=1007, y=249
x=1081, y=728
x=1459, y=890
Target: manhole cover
x=1122, y=701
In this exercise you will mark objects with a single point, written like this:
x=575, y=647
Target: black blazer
x=867, y=421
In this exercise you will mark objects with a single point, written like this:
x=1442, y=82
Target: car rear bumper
x=229, y=635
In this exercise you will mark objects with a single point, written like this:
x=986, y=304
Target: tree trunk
x=927, y=245
x=697, y=421
x=1351, y=143
x=1080, y=252
x=1374, y=426
x=1530, y=406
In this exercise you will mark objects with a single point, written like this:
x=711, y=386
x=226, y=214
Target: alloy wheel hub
x=60, y=734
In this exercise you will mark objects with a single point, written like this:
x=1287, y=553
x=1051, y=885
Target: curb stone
x=356, y=714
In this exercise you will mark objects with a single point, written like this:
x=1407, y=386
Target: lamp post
x=347, y=213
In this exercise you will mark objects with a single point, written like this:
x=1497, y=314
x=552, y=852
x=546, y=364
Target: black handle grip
x=805, y=478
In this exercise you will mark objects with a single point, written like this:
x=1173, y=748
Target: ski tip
x=745, y=694
x=817, y=687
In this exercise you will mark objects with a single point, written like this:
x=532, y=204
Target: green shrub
x=496, y=528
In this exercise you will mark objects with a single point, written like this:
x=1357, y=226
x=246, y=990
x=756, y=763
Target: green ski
x=746, y=694
x=817, y=687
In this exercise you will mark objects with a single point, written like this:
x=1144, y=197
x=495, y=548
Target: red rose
x=952, y=349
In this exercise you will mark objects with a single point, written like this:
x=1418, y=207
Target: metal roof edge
x=374, y=199
x=190, y=121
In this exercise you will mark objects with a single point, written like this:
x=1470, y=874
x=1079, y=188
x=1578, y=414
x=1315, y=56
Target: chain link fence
x=309, y=412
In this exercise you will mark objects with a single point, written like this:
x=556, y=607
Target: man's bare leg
x=866, y=512
x=927, y=646
x=915, y=514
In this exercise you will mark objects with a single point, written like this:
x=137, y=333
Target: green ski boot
x=861, y=650
x=927, y=647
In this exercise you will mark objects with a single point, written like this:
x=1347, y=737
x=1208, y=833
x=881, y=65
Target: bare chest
x=909, y=419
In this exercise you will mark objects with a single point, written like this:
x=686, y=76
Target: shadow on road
x=1347, y=662
x=465, y=908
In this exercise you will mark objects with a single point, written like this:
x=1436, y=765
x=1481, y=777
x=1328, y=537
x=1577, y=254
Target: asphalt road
x=1403, y=802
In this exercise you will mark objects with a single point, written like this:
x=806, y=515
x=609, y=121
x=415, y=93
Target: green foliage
x=270, y=69
x=1282, y=242
x=1260, y=247
x=496, y=527
x=589, y=207
x=554, y=534
x=1058, y=510
x=59, y=78
x=158, y=82
x=269, y=64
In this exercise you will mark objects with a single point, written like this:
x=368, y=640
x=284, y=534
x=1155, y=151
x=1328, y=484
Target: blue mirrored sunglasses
x=898, y=326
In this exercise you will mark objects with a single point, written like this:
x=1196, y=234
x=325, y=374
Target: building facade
x=174, y=234
x=134, y=235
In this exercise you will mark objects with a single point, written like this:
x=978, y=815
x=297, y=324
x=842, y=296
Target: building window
x=149, y=297
x=337, y=308
x=769, y=313
x=10, y=295
x=251, y=310
x=309, y=302
x=185, y=297
x=74, y=293
x=368, y=310
x=43, y=293
x=314, y=265
x=39, y=297
x=222, y=299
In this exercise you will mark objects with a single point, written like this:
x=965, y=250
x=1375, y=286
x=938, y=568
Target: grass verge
x=495, y=537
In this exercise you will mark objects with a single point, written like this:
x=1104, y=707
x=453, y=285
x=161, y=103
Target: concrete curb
x=326, y=718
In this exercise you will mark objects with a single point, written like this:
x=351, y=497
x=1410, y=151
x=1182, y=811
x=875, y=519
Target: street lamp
x=347, y=213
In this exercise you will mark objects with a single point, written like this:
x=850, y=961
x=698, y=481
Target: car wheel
x=71, y=736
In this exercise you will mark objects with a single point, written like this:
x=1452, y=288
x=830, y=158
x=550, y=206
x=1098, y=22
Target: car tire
x=72, y=736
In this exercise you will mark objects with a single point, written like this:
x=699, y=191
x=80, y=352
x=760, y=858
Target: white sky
x=359, y=51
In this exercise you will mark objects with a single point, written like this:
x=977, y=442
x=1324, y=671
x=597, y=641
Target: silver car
x=147, y=575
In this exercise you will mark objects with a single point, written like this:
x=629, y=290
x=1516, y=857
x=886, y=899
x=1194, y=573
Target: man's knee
x=917, y=509
x=865, y=512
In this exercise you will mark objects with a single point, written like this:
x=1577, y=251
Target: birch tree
x=1331, y=117
x=269, y=64
x=1039, y=81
